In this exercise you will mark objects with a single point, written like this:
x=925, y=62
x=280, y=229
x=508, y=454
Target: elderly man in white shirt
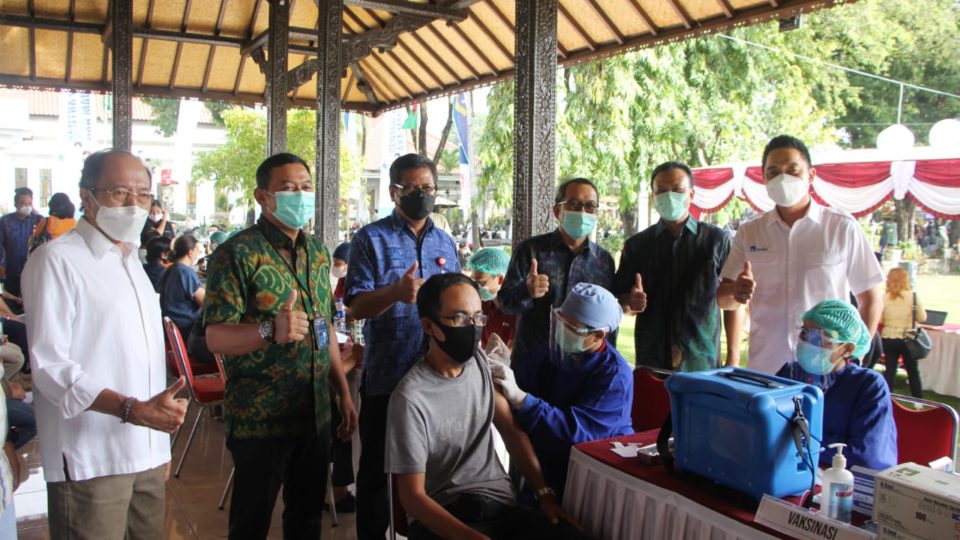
x=104, y=413
x=788, y=259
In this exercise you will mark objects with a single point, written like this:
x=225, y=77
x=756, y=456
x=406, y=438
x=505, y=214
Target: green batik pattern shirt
x=277, y=390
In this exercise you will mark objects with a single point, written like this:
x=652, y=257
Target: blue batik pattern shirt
x=565, y=269
x=14, y=243
x=380, y=254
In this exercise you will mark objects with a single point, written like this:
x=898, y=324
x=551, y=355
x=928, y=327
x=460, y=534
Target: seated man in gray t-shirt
x=440, y=439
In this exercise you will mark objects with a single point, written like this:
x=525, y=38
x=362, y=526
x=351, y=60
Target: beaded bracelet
x=127, y=406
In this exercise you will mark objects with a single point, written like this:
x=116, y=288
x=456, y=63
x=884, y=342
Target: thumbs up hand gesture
x=537, y=284
x=636, y=299
x=163, y=412
x=290, y=324
x=409, y=284
x=745, y=285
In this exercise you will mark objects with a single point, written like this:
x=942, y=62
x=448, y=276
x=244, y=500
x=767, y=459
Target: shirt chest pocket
x=823, y=271
x=763, y=259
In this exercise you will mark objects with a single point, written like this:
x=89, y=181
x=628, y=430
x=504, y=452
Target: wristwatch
x=545, y=490
x=266, y=332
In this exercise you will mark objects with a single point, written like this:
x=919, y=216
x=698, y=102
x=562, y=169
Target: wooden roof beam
x=642, y=13
x=490, y=35
x=71, y=14
x=682, y=13
x=727, y=8
x=401, y=7
x=452, y=49
x=363, y=85
x=598, y=11
x=591, y=44
x=476, y=50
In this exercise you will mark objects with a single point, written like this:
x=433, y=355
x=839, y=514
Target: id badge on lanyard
x=321, y=332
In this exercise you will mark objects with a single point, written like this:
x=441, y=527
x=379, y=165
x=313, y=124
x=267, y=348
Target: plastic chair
x=927, y=434
x=205, y=392
x=651, y=401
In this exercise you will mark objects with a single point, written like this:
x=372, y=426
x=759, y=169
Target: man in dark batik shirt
x=544, y=268
x=267, y=311
x=668, y=277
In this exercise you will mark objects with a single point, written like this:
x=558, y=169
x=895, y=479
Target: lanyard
x=305, y=290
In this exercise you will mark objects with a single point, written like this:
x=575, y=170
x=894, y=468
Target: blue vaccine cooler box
x=733, y=426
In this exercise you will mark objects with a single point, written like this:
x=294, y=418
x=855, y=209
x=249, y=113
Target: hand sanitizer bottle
x=837, y=488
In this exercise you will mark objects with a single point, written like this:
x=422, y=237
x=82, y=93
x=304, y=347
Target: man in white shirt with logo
x=93, y=320
x=785, y=261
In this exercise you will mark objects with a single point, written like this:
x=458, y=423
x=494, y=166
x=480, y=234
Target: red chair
x=205, y=392
x=927, y=434
x=198, y=369
x=651, y=401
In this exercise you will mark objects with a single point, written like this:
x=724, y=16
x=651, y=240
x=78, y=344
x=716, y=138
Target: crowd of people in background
x=453, y=341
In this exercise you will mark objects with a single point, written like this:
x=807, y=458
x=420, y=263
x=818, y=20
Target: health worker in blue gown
x=857, y=408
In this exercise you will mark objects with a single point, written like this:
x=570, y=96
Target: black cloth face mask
x=417, y=205
x=461, y=341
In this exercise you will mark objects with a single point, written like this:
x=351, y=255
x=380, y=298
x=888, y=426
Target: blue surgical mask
x=577, y=224
x=670, y=205
x=814, y=359
x=294, y=208
x=486, y=295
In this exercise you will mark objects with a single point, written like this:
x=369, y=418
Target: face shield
x=568, y=340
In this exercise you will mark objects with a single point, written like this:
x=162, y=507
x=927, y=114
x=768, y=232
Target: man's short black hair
x=562, y=188
x=410, y=162
x=20, y=192
x=669, y=166
x=786, y=141
x=94, y=163
x=428, y=297
x=274, y=161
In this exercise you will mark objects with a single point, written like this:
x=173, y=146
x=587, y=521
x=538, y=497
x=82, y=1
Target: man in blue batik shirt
x=575, y=390
x=544, y=268
x=389, y=260
x=15, y=230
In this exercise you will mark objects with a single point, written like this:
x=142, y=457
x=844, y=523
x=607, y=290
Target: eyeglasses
x=817, y=336
x=407, y=189
x=579, y=330
x=589, y=207
x=463, y=320
x=120, y=195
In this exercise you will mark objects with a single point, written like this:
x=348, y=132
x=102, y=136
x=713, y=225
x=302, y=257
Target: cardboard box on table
x=733, y=426
x=911, y=500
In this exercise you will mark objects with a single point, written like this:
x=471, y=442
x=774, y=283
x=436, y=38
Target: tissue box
x=917, y=499
x=733, y=426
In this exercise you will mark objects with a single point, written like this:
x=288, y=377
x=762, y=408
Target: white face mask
x=122, y=223
x=787, y=190
x=338, y=271
x=25, y=210
x=156, y=216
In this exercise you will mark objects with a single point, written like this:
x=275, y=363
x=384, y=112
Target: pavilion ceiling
x=396, y=51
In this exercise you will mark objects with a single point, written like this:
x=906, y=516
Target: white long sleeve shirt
x=93, y=323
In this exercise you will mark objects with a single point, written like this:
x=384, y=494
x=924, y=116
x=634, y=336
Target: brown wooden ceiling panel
x=87, y=57
x=15, y=44
x=237, y=17
x=51, y=50
x=193, y=64
x=90, y=11
x=436, y=58
x=52, y=8
x=203, y=16
x=157, y=69
x=223, y=71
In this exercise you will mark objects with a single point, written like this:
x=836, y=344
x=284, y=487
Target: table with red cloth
x=618, y=498
x=940, y=370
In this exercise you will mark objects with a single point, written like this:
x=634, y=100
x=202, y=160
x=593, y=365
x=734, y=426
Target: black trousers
x=373, y=507
x=893, y=349
x=500, y=521
x=299, y=464
x=341, y=452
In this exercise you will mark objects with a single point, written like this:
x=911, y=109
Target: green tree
x=166, y=112
x=233, y=165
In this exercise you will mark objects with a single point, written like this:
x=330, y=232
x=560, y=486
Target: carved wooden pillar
x=277, y=46
x=121, y=42
x=534, y=178
x=328, y=120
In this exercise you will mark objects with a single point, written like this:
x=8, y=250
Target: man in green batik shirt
x=267, y=311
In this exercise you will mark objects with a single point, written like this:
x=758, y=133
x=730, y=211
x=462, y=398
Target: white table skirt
x=940, y=370
x=613, y=505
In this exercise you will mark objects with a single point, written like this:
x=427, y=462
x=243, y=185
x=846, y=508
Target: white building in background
x=44, y=137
